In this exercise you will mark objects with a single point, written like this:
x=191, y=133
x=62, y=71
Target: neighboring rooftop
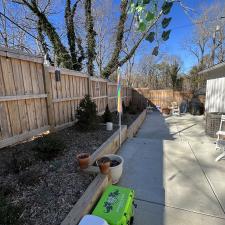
x=214, y=72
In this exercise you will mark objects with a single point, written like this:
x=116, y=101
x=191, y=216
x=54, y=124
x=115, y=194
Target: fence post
x=48, y=90
x=89, y=85
x=107, y=93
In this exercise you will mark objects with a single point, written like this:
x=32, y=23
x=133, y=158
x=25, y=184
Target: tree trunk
x=63, y=56
x=90, y=37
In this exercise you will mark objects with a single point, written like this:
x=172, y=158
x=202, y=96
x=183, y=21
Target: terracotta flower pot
x=104, y=165
x=83, y=160
x=166, y=111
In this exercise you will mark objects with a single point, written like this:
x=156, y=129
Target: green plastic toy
x=116, y=206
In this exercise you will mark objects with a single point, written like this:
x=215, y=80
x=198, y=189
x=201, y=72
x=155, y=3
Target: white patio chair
x=175, y=108
x=220, y=142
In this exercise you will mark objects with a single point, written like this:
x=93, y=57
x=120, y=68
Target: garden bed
x=44, y=192
x=94, y=191
x=126, y=119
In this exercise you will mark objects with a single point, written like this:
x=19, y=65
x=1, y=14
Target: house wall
x=215, y=96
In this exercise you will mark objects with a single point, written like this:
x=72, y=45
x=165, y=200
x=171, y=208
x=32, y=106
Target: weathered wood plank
x=12, y=53
x=21, y=97
x=4, y=121
x=48, y=87
x=65, y=109
x=22, y=137
x=60, y=104
x=41, y=84
x=68, y=72
x=11, y=90
x=36, y=90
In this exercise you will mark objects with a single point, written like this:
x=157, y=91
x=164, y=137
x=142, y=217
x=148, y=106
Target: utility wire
x=20, y=27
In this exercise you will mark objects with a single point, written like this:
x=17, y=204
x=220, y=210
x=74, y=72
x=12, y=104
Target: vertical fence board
x=32, y=101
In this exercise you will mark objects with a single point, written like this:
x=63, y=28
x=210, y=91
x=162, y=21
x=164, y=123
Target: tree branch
x=119, y=41
x=62, y=54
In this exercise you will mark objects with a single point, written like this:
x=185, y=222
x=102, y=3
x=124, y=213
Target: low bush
x=16, y=164
x=6, y=190
x=107, y=116
x=48, y=147
x=29, y=178
x=132, y=109
x=124, y=108
x=87, y=114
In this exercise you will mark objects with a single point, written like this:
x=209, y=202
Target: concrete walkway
x=170, y=165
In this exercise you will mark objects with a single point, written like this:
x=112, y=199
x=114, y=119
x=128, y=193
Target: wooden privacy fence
x=32, y=100
x=162, y=98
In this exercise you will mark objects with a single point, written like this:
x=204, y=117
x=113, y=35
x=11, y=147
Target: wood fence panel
x=112, y=96
x=22, y=97
x=98, y=93
x=32, y=101
x=162, y=98
x=66, y=94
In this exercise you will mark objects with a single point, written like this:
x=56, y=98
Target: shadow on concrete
x=150, y=165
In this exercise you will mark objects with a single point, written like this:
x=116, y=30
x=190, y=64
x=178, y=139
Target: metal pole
x=120, y=127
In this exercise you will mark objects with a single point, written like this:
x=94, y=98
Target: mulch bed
x=127, y=119
x=45, y=191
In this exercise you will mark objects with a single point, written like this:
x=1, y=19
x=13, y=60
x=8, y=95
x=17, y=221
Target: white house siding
x=215, y=96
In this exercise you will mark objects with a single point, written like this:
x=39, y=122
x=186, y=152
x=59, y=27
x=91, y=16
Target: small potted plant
x=107, y=117
x=83, y=160
x=103, y=164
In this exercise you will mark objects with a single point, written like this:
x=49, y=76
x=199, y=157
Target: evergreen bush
x=87, y=114
x=124, y=108
x=48, y=147
x=107, y=116
x=132, y=108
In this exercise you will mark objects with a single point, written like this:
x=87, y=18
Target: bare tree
x=209, y=35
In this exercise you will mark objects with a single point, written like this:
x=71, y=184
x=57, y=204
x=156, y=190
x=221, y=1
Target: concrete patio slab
x=166, y=172
x=170, y=163
x=214, y=171
x=148, y=213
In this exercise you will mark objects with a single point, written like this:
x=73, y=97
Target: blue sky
x=181, y=27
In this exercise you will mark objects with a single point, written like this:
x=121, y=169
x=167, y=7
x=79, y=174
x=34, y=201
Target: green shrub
x=107, y=116
x=29, y=178
x=87, y=114
x=16, y=164
x=48, y=147
x=124, y=108
x=9, y=213
x=132, y=108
